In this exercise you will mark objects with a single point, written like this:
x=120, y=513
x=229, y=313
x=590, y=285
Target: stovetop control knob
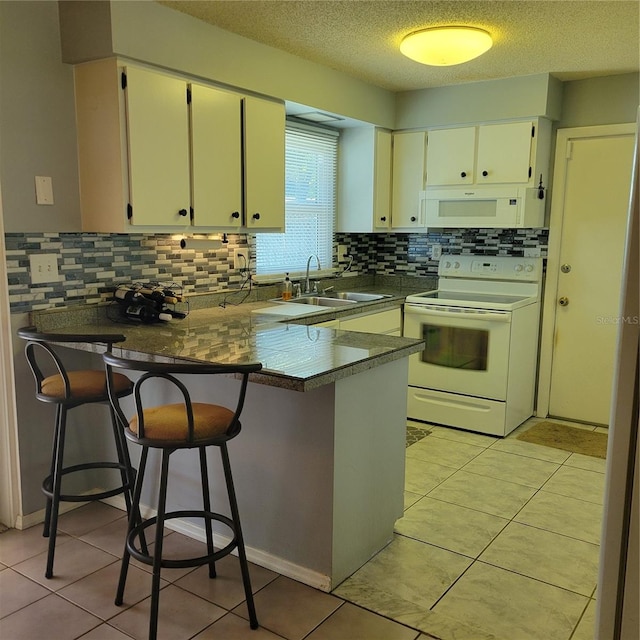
x=447, y=265
x=456, y=265
x=529, y=268
x=519, y=268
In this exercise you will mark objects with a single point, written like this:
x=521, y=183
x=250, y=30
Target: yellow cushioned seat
x=169, y=422
x=85, y=384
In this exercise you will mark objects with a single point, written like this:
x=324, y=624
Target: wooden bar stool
x=67, y=390
x=171, y=427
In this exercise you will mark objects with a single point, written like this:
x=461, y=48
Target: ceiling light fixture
x=445, y=46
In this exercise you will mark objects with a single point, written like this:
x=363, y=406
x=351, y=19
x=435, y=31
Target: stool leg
x=56, y=484
x=134, y=519
x=157, y=552
x=206, y=500
x=235, y=516
x=54, y=452
x=126, y=473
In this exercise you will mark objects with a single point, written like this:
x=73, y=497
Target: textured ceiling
x=571, y=39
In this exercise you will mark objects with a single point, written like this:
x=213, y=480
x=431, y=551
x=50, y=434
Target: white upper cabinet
x=364, y=185
x=150, y=161
x=451, y=156
x=158, y=148
x=488, y=154
x=216, y=157
x=407, y=204
x=264, y=125
x=504, y=153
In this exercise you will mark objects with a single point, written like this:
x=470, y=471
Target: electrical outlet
x=44, y=267
x=343, y=252
x=532, y=252
x=436, y=252
x=241, y=259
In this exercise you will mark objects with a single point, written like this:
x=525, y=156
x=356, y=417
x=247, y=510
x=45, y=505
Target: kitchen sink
x=322, y=301
x=335, y=298
x=355, y=296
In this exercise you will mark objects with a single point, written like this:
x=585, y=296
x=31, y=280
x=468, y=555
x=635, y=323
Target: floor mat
x=416, y=433
x=560, y=436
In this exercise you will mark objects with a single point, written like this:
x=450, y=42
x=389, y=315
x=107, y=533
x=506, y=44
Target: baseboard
x=37, y=517
x=257, y=556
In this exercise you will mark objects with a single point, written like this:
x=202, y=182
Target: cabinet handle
x=485, y=173
x=235, y=214
x=463, y=174
x=256, y=216
x=383, y=219
x=413, y=218
x=182, y=212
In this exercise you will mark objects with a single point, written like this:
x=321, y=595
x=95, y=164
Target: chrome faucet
x=307, y=282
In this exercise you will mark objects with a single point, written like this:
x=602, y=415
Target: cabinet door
x=216, y=157
x=504, y=152
x=388, y=322
x=450, y=156
x=263, y=164
x=408, y=179
x=382, y=181
x=158, y=148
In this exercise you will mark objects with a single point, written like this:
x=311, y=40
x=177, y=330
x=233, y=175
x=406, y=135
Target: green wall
x=605, y=100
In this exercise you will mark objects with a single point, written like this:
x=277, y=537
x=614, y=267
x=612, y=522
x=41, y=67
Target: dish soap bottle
x=287, y=289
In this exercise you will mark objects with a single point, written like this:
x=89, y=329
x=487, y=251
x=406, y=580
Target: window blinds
x=310, y=205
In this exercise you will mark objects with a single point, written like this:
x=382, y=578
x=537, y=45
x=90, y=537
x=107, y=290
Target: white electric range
x=480, y=327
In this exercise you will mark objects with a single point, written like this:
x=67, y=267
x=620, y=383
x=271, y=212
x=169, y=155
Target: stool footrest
x=47, y=483
x=186, y=562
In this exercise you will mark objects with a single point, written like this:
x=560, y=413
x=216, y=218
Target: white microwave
x=482, y=207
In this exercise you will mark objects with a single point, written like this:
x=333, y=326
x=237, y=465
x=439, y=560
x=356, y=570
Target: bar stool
x=67, y=390
x=169, y=428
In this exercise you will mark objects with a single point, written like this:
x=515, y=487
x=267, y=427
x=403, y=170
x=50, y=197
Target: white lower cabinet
x=388, y=322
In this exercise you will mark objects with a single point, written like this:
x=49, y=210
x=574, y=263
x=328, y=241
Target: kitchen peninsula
x=319, y=465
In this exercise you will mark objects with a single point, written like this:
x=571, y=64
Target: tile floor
x=499, y=541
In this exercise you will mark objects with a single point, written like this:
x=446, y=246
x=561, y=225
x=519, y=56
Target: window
x=310, y=205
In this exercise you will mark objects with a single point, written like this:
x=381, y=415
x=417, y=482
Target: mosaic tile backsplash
x=91, y=264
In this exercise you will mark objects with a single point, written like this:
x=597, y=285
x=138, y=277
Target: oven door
x=466, y=352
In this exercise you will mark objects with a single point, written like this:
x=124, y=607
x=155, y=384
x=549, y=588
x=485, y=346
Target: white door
x=589, y=215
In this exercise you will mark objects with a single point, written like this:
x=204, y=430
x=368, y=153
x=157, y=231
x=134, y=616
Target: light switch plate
x=532, y=252
x=44, y=267
x=44, y=190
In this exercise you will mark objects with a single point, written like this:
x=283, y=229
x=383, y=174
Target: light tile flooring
x=499, y=541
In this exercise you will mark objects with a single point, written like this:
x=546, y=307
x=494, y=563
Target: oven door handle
x=469, y=314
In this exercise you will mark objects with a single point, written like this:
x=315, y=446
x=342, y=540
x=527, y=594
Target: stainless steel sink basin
x=357, y=297
x=321, y=301
x=335, y=298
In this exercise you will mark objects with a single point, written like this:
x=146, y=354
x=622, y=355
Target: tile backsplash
x=410, y=254
x=90, y=264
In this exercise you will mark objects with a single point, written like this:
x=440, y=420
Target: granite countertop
x=295, y=354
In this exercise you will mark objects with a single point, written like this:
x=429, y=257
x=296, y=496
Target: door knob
x=564, y=301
